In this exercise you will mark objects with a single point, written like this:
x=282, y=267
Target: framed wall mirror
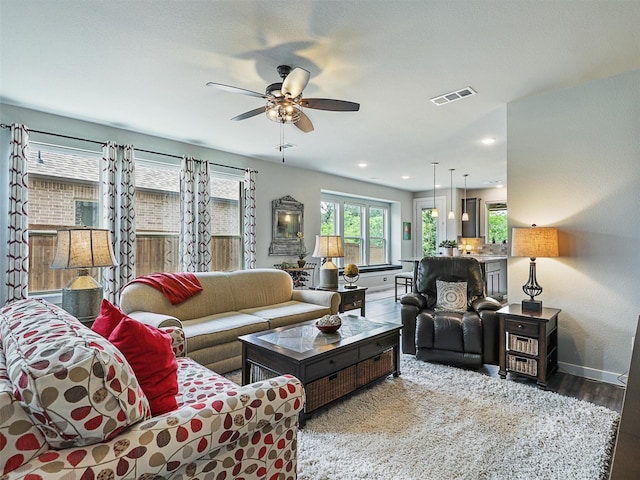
x=288, y=220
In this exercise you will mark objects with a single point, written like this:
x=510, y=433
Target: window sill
x=374, y=268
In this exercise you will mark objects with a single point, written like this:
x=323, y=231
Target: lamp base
x=328, y=278
x=82, y=298
x=532, y=305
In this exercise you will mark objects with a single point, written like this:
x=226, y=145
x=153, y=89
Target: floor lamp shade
x=533, y=242
x=329, y=247
x=83, y=248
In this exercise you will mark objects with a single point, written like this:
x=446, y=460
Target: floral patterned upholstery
x=220, y=430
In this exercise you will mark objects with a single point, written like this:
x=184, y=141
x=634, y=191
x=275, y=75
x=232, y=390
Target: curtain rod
x=4, y=125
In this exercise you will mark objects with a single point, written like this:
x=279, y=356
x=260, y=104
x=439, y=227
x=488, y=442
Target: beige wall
x=574, y=163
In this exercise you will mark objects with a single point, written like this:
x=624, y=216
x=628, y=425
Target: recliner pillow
x=451, y=296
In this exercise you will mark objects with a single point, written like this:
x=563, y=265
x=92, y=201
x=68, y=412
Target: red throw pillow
x=109, y=318
x=148, y=351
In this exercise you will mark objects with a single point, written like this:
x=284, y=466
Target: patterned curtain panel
x=249, y=204
x=18, y=233
x=204, y=262
x=187, y=247
x=118, y=191
x=195, y=222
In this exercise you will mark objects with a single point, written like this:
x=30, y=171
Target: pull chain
x=282, y=140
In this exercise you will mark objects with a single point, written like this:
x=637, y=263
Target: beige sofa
x=231, y=304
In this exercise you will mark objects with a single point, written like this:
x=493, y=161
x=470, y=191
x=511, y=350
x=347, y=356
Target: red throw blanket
x=177, y=287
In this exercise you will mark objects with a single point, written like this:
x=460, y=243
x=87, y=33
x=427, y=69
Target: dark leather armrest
x=414, y=299
x=485, y=303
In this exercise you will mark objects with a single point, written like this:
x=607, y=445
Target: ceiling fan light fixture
x=283, y=111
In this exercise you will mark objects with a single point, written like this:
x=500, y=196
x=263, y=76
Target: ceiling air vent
x=453, y=96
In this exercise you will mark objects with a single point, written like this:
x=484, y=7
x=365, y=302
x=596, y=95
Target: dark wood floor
x=599, y=393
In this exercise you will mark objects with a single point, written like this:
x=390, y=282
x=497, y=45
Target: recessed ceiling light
x=488, y=141
x=499, y=186
x=405, y=177
x=362, y=165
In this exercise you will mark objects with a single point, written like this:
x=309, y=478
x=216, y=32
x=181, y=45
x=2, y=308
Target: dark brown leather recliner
x=468, y=339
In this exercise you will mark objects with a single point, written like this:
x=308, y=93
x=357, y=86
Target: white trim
x=593, y=373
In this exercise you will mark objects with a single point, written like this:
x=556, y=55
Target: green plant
x=448, y=244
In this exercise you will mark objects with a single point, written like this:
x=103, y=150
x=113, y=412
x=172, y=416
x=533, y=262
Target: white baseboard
x=593, y=374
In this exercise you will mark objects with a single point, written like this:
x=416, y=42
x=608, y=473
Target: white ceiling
x=142, y=65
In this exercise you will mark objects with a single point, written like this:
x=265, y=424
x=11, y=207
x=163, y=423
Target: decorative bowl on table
x=329, y=324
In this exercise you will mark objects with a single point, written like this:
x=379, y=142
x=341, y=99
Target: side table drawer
x=521, y=328
x=518, y=343
x=331, y=365
x=329, y=388
x=527, y=366
x=351, y=305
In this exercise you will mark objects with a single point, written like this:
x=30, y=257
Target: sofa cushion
x=288, y=312
x=148, y=351
x=74, y=385
x=221, y=328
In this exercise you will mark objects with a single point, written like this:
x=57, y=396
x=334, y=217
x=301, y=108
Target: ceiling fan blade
x=250, y=113
x=294, y=84
x=329, y=104
x=304, y=123
x=229, y=88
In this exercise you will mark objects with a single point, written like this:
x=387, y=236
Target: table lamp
x=533, y=242
x=329, y=247
x=83, y=248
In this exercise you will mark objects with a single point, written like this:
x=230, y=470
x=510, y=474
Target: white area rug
x=444, y=423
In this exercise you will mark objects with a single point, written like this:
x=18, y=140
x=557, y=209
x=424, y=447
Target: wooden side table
x=528, y=342
x=350, y=298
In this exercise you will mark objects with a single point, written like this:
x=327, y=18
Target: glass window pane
x=328, y=218
x=226, y=218
x=429, y=233
x=377, y=251
x=352, y=251
x=157, y=206
x=497, y=219
x=63, y=192
x=376, y=222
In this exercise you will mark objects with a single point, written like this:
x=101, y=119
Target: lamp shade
x=83, y=248
x=534, y=242
x=328, y=246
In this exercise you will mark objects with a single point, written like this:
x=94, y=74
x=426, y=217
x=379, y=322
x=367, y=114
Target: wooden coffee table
x=330, y=366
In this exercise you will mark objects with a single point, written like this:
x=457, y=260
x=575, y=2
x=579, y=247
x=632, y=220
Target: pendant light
x=452, y=214
x=465, y=215
x=434, y=210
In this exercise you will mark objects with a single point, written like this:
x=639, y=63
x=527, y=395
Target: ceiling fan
x=284, y=99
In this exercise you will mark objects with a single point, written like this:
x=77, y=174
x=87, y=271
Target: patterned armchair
x=71, y=407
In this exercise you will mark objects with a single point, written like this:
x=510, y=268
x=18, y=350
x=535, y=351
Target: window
x=87, y=213
x=226, y=221
x=363, y=224
x=497, y=222
x=157, y=204
x=63, y=192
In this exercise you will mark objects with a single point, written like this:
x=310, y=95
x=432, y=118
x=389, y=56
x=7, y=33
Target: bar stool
x=404, y=279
